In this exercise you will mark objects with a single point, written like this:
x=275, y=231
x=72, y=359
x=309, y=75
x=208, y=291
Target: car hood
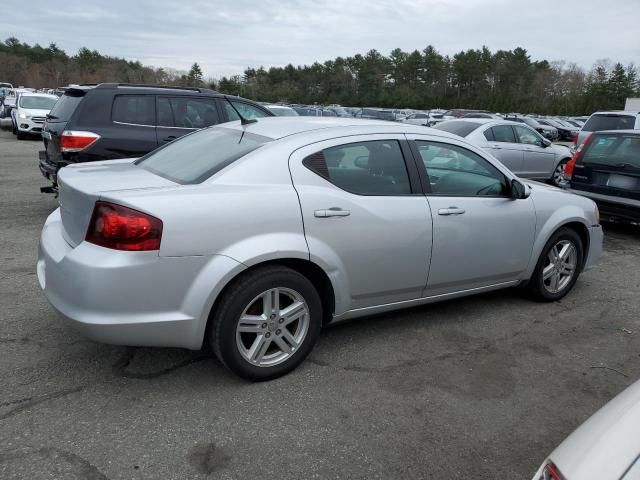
x=35, y=112
x=607, y=444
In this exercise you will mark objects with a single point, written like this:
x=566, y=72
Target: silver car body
x=389, y=252
x=606, y=446
x=525, y=160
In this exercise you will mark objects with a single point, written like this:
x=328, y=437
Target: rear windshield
x=597, y=123
x=64, y=107
x=37, y=103
x=613, y=150
x=195, y=157
x=458, y=127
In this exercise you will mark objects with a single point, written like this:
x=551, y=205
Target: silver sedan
x=250, y=237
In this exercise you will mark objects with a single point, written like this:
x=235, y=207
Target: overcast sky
x=226, y=36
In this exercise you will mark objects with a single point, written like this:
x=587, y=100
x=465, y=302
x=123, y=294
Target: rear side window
x=195, y=157
x=363, y=168
x=185, y=112
x=64, y=107
x=597, y=123
x=135, y=109
x=459, y=127
x=614, y=150
x=503, y=133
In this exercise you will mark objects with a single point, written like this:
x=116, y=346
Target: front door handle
x=331, y=212
x=451, y=211
x=496, y=147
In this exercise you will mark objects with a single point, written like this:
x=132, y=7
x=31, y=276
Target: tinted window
x=364, y=168
x=456, y=171
x=488, y=134
x=185, y=112
x=246, y=110
x=528, y=136
x=613, y=150
x=195, y=157
x=64, y=107
x=136, y=109
x=458, y=127
x=503, y=133
x=609, y=122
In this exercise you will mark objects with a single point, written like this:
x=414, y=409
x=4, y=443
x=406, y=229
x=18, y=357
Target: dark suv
x=606, y=168
x=109, y=121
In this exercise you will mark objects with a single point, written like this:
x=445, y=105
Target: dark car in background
x=606, y=168
x=547, y=131
x=565, y=131
x=110, y=121
x=376, y=114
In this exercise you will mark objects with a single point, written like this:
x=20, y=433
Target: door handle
x=169, y=138
x=451, y=211
x=331, y=212
x=496, y=147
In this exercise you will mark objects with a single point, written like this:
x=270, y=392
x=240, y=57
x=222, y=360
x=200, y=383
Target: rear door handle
x=169, y=138
x=331, y=212
x=496, y=147
x=451, y=211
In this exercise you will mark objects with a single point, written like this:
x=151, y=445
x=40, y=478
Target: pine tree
x=195, y=75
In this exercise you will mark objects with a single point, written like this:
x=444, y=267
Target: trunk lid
x=81, y=185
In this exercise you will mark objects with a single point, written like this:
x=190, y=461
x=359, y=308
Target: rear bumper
x=613, y=209
x=49, y=170
x=129, y=298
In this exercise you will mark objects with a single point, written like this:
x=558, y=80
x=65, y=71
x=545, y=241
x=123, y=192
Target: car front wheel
x=558, y=178
x=266, y=324
x=558, y=267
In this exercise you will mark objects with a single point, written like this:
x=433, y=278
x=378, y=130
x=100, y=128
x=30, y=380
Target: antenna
x=243, y=121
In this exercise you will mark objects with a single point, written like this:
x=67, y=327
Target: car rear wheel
x=558, y=178
x=266, y=323
x=558, y=267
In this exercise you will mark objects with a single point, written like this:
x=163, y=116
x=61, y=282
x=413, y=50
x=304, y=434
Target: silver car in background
x=518, y=147
x=250, y=237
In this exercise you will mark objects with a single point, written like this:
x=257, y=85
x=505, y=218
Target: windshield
x=195, y=157
x=597, y=123
x=615, y=150
x=458, y=127
x=38, y=103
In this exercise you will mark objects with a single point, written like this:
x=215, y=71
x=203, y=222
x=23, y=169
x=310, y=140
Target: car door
x=481, y=236
x=538, y=160
x=132, y=131
x=178, y=116
x=366, y=220
x=505, y=147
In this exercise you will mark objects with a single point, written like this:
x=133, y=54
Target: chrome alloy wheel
x=272, y=327
x=558, y=178
x=560, y=266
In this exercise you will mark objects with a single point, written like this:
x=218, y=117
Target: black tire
x=237, y=297
x=14, y=129
x=21, y=136
x=537, y=287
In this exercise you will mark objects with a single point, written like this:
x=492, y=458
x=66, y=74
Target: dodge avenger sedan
x=250, y=236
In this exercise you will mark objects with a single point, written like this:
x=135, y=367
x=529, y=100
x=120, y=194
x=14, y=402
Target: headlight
x=23, y=116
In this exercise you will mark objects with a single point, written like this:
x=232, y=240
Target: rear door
x=180, y=115
x=538, y=159
x=132, y=130
x=504, y=145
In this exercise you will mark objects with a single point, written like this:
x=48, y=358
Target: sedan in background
x=605, y=447
x=566, y=131
x=249, y=237
x=281, y=110
x=518, y=147
x=30, y=113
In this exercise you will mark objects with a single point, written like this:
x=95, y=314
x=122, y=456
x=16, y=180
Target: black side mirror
x=518, y=190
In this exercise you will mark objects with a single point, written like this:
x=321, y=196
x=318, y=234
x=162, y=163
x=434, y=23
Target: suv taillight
x=122, y=228
x=551, y=472
x=74, y=141
x=568, y=168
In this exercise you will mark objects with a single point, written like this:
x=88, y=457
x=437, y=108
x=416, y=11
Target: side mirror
x=546, y=143
x=519, y=190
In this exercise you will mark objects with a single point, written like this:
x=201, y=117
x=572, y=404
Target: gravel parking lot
x=481, y=388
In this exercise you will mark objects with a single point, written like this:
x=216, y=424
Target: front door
x=539, y=160
x=366, y=221
x=505, y=147
x=481, y=236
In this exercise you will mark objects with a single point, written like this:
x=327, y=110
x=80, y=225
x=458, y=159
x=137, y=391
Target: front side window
x=186, y=112
x=364, y=168
x=246, y=110
x=528, y=136
x=503, y=133
x=134, y=109
x=456, y=171
x=195, y=157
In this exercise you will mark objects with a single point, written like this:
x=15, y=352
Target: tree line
x=501, y=81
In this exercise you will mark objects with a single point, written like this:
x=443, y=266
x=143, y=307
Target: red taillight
x=569, y=167
x=74, y=141
x=122, y=228
x=552, y=472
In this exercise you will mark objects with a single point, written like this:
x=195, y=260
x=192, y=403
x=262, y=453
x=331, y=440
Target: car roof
x=612, y=132
x=280, y=127
x=618, y=112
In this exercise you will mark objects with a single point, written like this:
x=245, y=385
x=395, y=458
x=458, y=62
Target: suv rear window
x=135, y=109
x=458, y=127
x=613, y=150
x=195, y=157
x=65, y=106
x=597, y=123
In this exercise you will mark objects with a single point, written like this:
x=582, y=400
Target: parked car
x=250, y=238
x=30, y=113
x=606, y=168
x=518, y=147
x=565, y=131
x=376, y=114
x=614, y=120
x=418, y=118
x=547, y=131
x=482, y=115
x=281, y=110
x=605, y=447
x=109, y=121
x=9, y=102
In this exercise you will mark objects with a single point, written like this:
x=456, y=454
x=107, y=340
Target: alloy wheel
x=558, y=175
x=272, y=327
x=560, y=266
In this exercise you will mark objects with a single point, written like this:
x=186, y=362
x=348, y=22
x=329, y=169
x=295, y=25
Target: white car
x=30, y=112
x=605, y=447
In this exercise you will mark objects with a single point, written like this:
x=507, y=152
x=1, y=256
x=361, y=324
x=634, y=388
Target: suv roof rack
x=168, y=87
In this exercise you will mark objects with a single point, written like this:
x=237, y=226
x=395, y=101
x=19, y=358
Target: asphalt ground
x=479, y=388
